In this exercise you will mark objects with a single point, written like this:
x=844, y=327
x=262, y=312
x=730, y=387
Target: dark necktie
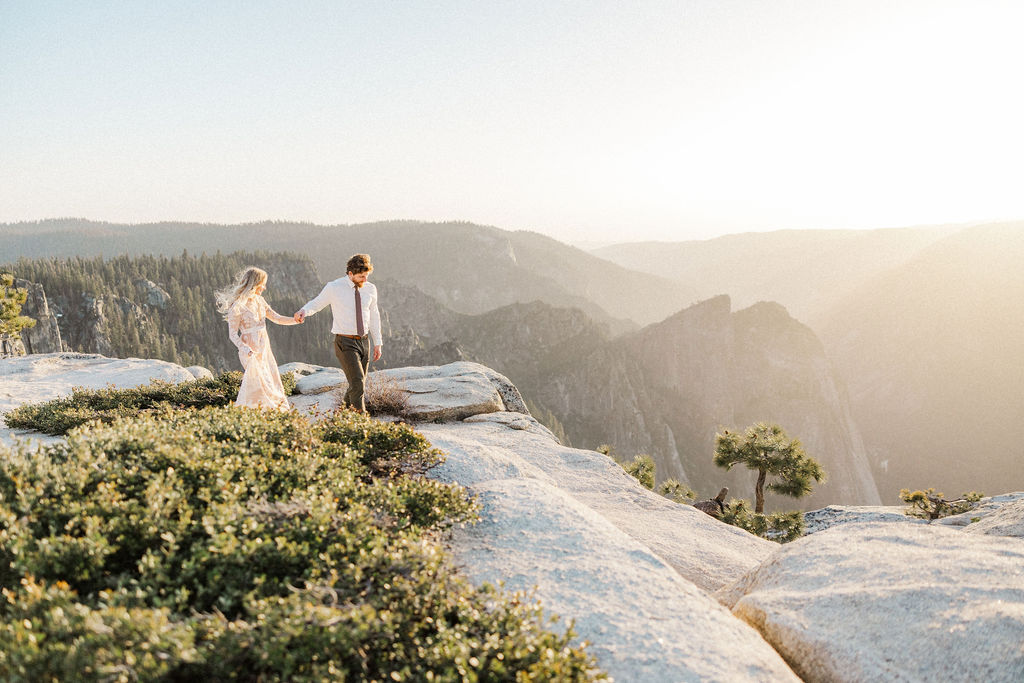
x=359, y=314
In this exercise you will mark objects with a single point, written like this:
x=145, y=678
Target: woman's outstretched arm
x=276, y=317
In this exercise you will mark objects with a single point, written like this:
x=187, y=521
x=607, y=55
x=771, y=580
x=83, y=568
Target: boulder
x=986, y=506
x=199, y=372
x=1008, y=520
x=837, y=515
x=435, y=393
x=445, y=399
x=42, y=377
x=300, y=369
x=320, y=381
x=881, y=601
x=510, y=397
x=713, y=506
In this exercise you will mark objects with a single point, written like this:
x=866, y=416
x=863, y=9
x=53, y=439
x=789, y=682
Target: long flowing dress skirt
x=261, y=383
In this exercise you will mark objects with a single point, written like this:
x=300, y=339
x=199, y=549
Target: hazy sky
x=593, y=120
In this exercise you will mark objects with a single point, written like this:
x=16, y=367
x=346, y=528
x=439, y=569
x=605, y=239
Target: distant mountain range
x=925, y=326
x=918, y=371
x=804, y=270
x=933, y=356
x=469, y=268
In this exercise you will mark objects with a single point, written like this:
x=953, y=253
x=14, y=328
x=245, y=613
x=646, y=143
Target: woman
x=246, y=312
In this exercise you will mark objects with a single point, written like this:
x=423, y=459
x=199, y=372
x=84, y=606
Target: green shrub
x=386, y=449
x=289, y=381
x=781, y=527
x=641, y=469
x=48, y=635
x=60, y=415
x=931, y=505
x=677, y=491
x=442, y=630
x=224, y=543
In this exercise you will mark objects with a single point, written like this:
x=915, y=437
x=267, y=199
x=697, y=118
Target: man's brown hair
x=359, y=263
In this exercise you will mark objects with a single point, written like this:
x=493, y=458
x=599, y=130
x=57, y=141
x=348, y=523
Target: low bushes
x=237, y=544
x=60, y=415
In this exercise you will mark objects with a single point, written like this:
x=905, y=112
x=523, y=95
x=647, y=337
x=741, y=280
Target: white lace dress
x=247, y=328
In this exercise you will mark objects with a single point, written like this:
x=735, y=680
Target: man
x=353, y=302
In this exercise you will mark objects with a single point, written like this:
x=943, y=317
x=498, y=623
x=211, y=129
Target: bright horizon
x=589, y=122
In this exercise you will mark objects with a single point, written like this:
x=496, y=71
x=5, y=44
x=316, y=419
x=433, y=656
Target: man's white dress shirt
x=340, y=294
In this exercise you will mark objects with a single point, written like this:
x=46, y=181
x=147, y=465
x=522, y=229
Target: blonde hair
x=242, y=288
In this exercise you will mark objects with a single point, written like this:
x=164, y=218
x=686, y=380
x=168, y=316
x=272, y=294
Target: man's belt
x=353, y=336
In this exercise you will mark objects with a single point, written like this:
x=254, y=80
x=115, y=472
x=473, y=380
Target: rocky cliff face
x=667, y=389
x=44, y=337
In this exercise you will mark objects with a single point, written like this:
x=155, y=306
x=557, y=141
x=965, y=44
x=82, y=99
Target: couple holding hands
x=353, y=303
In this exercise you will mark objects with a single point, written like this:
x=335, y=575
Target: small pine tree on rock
x=766, y=448
x=931, y=505
x=642, y=469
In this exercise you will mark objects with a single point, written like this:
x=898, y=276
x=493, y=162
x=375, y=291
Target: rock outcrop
x=450, y=392
x=154, y=295
x=1006, y=521
x=1008, y=506
x=878, y=601
x=43, y=377
x=44, y=337
x=713, y=506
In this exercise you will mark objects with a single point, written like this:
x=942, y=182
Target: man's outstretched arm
x=317, y=303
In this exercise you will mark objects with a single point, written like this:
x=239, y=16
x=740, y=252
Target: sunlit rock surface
x=43, y=377
x=880, y=601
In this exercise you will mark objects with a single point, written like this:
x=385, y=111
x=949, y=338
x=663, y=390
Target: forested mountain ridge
x=163, y=307
x=468, y=268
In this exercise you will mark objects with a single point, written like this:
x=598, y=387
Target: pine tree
x=11, y=299
x=766, y=448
